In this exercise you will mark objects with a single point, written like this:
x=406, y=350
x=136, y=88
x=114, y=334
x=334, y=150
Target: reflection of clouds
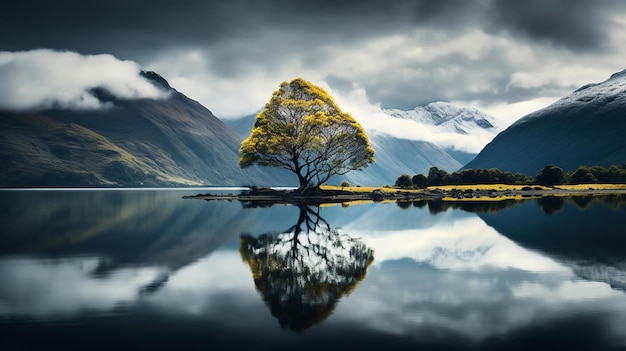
x=59, y=287
x=412, y=299
x=200, y=288
x=565, y=291
x=463, y=277
x=65, y=287
x=466, y=243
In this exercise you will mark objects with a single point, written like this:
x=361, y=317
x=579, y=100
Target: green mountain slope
x=140, y=142
x=584, y=128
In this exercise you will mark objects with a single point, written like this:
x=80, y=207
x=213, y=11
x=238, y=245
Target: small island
x=479, y=192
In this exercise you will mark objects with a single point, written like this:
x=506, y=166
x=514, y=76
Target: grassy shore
x=490, y=192
x=499, y=187
x=477, y=192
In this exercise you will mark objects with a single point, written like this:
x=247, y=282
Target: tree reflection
x=551, y=204
x=302, y=272
x=438, y=206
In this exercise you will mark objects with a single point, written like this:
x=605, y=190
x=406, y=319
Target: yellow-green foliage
x=302, y=129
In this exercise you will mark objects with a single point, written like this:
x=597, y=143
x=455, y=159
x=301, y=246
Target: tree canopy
x=404, y=181
x=301, y=129
x=550, y=175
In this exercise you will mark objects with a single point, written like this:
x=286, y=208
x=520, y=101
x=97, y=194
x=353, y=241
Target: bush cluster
x=549, y=175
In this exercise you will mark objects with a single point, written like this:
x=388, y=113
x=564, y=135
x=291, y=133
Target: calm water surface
x=146, y=269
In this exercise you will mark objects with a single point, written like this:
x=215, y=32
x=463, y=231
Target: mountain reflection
x=585, y=233
x=302, y=272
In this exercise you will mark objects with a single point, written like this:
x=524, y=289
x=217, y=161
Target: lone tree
x=301, y=129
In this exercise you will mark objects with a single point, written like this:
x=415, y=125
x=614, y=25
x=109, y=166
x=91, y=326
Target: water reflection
x=551, y=204
x=66, y=252
x=585, y=234
x=460, y=279
x=152, y=270
x=303, y=272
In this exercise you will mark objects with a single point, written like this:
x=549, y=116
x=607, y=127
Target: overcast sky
x=506, y=58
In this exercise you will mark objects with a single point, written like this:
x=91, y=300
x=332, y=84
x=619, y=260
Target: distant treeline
x=549, y=175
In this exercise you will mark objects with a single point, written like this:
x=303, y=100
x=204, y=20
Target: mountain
x=585, y=128
x=448, y=118
x=131, y=142
x=456, y=119
x=394, y=156
x=242, y=126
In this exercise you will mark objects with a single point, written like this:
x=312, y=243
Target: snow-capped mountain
x=452, y=118
x=586, y=127
x=461, y=131
x=589, y=95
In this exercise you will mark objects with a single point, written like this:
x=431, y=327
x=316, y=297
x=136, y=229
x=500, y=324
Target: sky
x=506, y=58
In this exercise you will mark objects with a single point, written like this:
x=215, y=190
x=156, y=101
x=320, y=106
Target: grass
x=485, y=187
x=591, y=186
x=367, y=189
x=498, y=187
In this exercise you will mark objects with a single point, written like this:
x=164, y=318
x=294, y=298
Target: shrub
x=550, y=175
x=404, y=181
x=419, y=181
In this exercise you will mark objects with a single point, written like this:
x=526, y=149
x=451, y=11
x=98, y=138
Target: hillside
x=585, y=128
x=395, y=156
x=133, y=142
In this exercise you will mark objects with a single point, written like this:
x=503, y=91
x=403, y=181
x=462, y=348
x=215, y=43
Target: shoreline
x=331, y=194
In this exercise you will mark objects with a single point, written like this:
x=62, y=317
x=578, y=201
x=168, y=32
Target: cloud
x=577, y=25
x=31, y=80
x=374, y=119
x=230, y=56
x=30, y=277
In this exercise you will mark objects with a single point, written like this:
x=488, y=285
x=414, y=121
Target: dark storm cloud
x=237, y=39
x=579, y=25
x=458, y=77
x=141, y=24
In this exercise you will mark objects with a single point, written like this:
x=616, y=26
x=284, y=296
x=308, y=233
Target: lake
x=147, y=269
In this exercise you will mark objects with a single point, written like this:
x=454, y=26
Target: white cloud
x=457, y=244
x=65, y=287
x=46, y=78
x=508, y=113
x=232, y=95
